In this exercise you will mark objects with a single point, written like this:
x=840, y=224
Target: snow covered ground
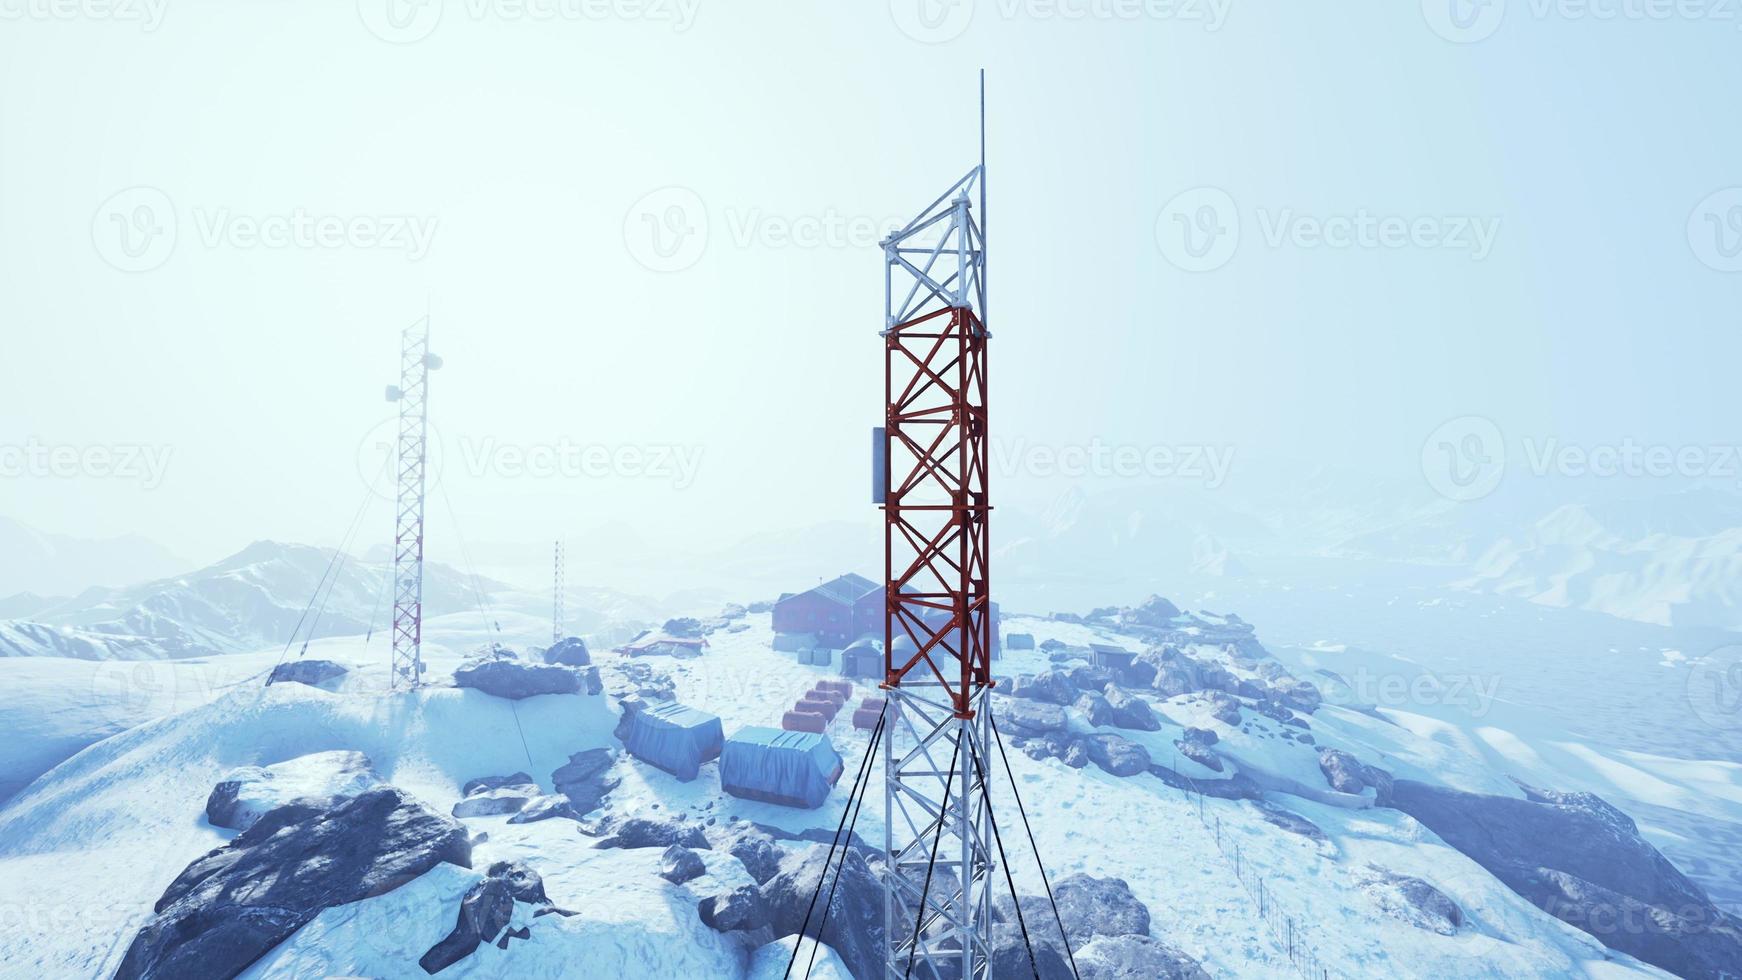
x=87, y=849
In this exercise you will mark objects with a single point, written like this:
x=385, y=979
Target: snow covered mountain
x=253, y=599
x=1677, y=562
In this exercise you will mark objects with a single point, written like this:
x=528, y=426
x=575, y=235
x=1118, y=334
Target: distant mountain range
x=57, y=564
x=1672, y=565
x=258, y=598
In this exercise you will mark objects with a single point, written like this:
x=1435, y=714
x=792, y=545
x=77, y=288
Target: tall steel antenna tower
x=936, y=504
x=556, y=612
x=412, y=394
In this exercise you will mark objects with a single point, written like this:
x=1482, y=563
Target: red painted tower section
x=937, y=510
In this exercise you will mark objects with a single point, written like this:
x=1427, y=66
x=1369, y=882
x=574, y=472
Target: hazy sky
x=653, y=226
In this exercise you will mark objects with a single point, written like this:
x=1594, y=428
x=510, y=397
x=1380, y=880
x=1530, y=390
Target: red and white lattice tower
x=938, y=637
x=411, y=468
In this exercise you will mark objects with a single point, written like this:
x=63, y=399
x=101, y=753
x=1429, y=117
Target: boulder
x=501, y=674
x=1347, y=774
x=1136, y=958
x=1091, y=677
x=740, y=909
x=1010, y=956
x=1199, y=753
x=586, y=779
x=1202, y=736
x=1154, y=612
x=483, y=783
x=1052, y=686
x=1300, y=695
x=231, y=906
x=1117, y=754
x=319, y=780
x=1095, y=709
x=486, y=911
x=687, y=627
x=680, y=864
x=314, y=673
x=752, y=846
x=490, y=796
x=1225, y=710
x=855, y=912
x=1412, y=900
x=1027, y=717
x=1130, y=711
x=545, y=808
x=1583, y=861
x=645, y=832
x=570, y=651
x=1087, y=906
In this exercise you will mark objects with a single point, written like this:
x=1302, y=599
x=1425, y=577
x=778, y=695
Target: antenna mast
x=556, y=612
x=412, y=394
x=938, y=631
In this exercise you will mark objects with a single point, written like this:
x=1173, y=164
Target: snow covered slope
x=87, y=848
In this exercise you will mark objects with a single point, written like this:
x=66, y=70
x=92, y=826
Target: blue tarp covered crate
x=789, y=768
x=673, y=737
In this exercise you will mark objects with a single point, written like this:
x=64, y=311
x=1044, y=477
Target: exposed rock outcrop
x=319, y=780
x=231, y=906
x=855, y=913
x=570, y=651
x=586, y=779
x=498, y=672
x=1581, y=860
x=1412, y=900
x=314, y=673
x=680, y=864
x=486, y=912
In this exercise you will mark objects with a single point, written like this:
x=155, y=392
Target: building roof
x=1110, y=648
x=845, y=591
